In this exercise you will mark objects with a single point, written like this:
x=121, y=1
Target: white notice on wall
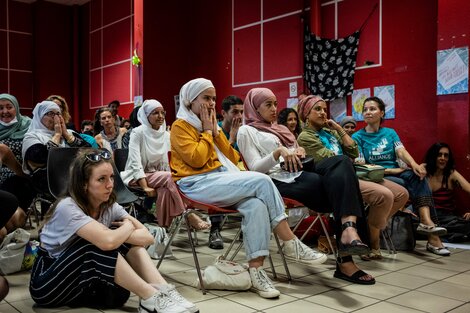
x=293, y=89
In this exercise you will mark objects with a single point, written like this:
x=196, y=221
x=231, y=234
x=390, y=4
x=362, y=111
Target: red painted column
x=138, y=46
x=315, y=17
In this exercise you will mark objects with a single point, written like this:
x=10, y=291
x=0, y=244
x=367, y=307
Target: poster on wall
x=452, y=71
x=292, y=103
x=358, y=97
x=387, y=94
x=338, y=109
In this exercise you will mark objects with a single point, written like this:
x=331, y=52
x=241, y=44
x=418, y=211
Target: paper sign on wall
x=452, y=71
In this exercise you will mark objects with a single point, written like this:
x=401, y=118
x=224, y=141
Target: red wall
x=409, y=32
x=453, y=113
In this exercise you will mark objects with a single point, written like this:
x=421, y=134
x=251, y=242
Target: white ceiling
x=64, y=2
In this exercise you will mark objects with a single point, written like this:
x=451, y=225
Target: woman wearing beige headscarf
x=204, y=165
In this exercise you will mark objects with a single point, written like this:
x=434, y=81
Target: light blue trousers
x=253, y=194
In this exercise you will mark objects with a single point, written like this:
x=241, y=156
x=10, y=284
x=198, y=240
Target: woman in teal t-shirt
x=382, y=146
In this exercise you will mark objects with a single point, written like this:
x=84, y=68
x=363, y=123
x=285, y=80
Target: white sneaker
x=170, y=291
x=261, y=283
x=160, y=303
x=296, y=250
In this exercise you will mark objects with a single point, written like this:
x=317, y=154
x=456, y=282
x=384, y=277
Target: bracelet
x=341, y=133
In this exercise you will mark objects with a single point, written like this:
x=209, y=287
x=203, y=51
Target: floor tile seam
x=468, y=302
x=372, y=286
x=393, y=304
x=325, y=306
x=434, y=295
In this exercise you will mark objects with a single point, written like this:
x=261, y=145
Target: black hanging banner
x=329, y=64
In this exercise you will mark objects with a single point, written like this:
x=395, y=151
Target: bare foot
x=197, y=223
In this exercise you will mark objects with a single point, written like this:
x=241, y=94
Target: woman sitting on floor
x=331, y=186
x=147, y=165
x=323, y=138
x=204, y=165
x=382, y=146
x=93, y=252
x=444, y=179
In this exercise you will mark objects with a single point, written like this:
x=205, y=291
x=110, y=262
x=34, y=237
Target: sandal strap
x=348, y=224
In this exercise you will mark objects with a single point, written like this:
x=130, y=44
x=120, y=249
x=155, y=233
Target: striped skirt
x=83, y=275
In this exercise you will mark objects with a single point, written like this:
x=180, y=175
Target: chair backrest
x=58, y=175
x=120, y=158
x=58, y=170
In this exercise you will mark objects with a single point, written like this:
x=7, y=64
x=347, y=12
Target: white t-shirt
x=67, y=219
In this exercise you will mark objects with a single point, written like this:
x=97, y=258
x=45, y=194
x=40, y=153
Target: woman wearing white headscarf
x=204, y=165
x=47, y=130
x=147, y=165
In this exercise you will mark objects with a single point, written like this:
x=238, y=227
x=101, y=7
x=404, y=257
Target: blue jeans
x=420, y=193
x=252, y=194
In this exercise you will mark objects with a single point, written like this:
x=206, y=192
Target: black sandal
x=354, y=278
x=355, y=247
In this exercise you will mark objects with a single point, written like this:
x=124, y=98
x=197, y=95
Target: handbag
x=370, y=172
x=160, y=235
x=225, y=275
x=12, y=251
x=400, y=228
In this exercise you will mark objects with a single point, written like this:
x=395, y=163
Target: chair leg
x=193, y=249
x=327, y=235
x=310, y=226
x=388, y=241
x=227, y=252
x=178, y=220
x=283, y=257
x=271, y=263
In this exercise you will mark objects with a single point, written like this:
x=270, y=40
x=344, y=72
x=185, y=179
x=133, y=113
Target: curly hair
x=431, y=161
x=282, y=119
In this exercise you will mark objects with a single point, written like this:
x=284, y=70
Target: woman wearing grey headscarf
x=204, y=165
x=47, y=130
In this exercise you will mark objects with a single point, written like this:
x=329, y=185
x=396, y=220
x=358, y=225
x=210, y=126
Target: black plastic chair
x=58, y=176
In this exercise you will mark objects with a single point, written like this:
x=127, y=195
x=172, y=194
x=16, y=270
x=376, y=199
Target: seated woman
x=263, y=144
x=382, y=146
x=107, y=134
x=323, y=138
x=64, y=110
x=17, y=218
x=289, y=118
x=147, y=165
x=204, y=164
x=47, y=130
x=93, y=252
x=13, y=127
x=444, y=179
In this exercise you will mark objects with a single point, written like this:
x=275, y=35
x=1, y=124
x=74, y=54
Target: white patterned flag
x=329, y=65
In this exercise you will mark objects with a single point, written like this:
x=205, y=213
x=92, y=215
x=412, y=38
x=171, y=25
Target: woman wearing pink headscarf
x=333, y=184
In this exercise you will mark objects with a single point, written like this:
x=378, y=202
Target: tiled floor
x=406, y=282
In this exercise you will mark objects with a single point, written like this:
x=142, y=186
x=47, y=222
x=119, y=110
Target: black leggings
x=332, y=187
